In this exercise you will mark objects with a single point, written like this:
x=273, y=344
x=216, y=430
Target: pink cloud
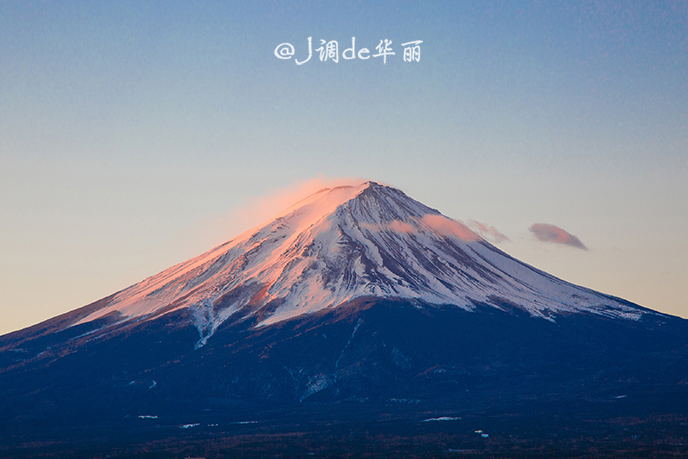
x=551, y=233
x=395, y=225
x=488, y=232
x=448, y=227
x=260, y=210
x=278, y=202
x=401, y=227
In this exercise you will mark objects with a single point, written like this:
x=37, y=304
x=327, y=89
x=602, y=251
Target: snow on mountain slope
x=347, y=242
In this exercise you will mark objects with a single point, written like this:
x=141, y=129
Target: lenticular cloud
x=546, y=232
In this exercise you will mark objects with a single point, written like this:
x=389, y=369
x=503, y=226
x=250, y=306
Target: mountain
x=344, y=243
x=357, y=304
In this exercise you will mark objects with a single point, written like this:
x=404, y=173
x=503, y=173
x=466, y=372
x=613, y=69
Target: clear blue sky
x=129, y=129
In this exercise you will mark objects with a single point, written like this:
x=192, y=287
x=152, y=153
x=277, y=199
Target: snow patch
x=190, y=426
x=442, y=419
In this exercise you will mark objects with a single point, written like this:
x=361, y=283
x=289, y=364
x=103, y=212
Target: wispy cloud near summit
x=272, y=204
x=488, y=232
x=547, y=232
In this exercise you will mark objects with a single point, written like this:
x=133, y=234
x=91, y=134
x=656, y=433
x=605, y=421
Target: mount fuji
x=356, y=301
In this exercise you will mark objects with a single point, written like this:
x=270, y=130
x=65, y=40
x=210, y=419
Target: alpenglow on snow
x=348, y=242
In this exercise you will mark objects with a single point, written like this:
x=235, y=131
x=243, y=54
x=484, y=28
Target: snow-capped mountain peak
x=347, y=242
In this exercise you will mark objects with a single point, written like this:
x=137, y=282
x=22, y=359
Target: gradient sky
x=131, y=133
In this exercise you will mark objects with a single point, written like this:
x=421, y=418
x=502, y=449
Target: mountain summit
x=347, y=242
x=357, y=305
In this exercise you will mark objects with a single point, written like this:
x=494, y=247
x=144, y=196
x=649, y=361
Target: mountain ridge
x=341, y=243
